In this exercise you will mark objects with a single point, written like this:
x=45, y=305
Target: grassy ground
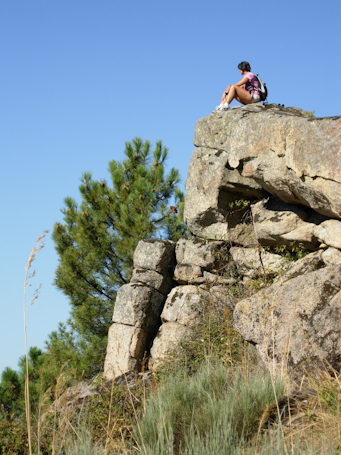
x=221, y=402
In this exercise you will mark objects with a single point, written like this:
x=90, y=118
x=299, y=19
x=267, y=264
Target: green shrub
x=13, y=437
x=216, y=406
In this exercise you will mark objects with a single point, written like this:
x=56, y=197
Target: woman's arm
x=239, y=84
x=242, y=82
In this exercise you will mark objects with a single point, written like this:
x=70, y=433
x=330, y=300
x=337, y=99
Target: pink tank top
x=252, y=85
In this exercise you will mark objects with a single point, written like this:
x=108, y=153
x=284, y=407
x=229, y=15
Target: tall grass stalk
x=135, y=415
x=39, y=244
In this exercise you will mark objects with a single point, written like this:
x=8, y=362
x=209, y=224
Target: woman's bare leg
x=225, y=94
x=238, y=93
x=223, y=98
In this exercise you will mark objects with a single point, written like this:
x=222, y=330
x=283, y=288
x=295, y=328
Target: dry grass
x=310, y=424
x=39, y=244
x=107, y=413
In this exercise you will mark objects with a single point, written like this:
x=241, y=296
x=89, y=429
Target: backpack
x=262, y=90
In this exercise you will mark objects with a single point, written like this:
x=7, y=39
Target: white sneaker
x=224, y=107
x=219, y=108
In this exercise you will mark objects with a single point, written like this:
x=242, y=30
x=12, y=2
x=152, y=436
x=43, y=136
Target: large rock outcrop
x=263, y=180
x=257, y=150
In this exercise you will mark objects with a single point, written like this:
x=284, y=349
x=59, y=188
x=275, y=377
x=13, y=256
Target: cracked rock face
x=212, y=191
x=154, y=254
x=180, y=314
x=295, y=325
x=257, y=150
x=251, y=261
x=139, y=306
x=279, y=223
x=168, y=337
x=197, y=252
x=125, y=350
x=183, y=305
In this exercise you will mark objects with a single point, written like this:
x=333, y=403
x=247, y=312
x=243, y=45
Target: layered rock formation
x=138, y=307
x=261, y=179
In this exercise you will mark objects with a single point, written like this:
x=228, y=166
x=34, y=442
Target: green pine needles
x=97, y=240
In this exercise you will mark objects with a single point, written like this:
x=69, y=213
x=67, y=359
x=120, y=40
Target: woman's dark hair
x=244, y=66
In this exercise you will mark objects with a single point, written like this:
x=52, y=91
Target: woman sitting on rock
x=245, y=91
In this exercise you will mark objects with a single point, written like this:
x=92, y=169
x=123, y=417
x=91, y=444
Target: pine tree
x=10, y=393
x=12, y=384
x=97, y=240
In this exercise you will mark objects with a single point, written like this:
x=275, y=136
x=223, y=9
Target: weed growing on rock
x=292, y=252
x=238, y=205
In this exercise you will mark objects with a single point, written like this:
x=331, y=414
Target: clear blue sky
x=80, y=77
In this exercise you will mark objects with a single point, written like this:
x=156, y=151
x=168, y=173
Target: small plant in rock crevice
x=238, y=206
x=292, y=252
